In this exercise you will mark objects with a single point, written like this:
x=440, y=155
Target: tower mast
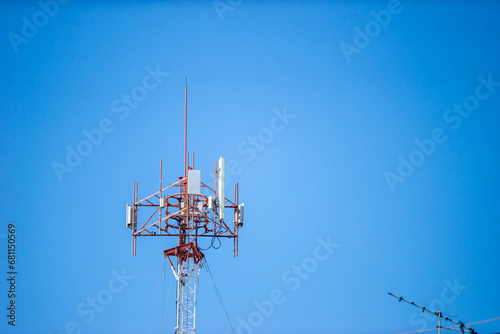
x=188, y=214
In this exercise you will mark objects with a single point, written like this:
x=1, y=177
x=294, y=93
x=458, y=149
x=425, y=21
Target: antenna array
x=462, y=327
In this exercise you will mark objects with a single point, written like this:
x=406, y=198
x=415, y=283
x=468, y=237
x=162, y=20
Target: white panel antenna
x=222, y=176
x=241, y=215
x=211, y=203
x=194, y=182
x=130, y=216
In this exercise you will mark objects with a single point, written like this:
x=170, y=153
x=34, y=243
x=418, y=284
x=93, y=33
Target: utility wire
x=164, y=310
x=453, y=327
x=165, y=301
x=157, y=293
x=483, y=321
x=217, y=294
x=215, y=236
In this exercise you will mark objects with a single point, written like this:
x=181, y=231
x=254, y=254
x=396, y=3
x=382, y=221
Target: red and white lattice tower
x=187, y=209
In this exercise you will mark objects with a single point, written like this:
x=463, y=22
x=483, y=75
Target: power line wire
x=157, y=293
x=217, y=294
x=435, y=329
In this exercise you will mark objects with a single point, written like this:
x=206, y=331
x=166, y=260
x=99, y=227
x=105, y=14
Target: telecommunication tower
x=187, y=209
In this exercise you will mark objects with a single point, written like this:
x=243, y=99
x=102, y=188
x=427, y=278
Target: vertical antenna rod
x=185, y=126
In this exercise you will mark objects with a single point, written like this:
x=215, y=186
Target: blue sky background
x=322, y=175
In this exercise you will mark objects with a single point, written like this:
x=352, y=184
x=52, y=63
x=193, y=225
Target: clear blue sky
x=386, y=143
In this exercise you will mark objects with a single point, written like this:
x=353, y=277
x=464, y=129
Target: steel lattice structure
x=187, y=209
